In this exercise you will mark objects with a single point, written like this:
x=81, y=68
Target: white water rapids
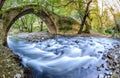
x=63, y=57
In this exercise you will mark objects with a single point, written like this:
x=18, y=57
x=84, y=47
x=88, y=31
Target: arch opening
x=27, y=23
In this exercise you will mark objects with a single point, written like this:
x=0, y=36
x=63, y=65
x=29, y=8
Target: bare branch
x=1, y=3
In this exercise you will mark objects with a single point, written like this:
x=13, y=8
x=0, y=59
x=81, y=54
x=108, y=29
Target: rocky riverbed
x=112, y=57
x=113, y=60
x=36, y=36
x=113, y=63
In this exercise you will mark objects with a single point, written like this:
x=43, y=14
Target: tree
x=25, y=23
x=84, y=17
x=115, y=18
x=1, y=5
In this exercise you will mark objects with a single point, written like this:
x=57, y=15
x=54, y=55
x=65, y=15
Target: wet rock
x=100, y=76
x=113, y=61
x=77, y=41
x=100, y=52
x=102, y=65
x=17, y=76
x=98, y=68
x=27, y=72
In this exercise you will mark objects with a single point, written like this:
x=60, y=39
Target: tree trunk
x=85, y=16
x=1, y=5
x=116, y=24
x=117, y=27
x=88, y=27
x=31, y=27
x=41, y=26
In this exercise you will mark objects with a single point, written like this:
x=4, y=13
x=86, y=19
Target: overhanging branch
x=2, y=3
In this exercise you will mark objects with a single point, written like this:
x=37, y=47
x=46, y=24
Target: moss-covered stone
x=66, y=28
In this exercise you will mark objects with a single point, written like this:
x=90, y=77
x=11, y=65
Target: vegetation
x=28, y=23
x=99, y=16
x=94, y=15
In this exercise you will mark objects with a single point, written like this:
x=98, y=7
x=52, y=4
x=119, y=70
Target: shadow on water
x=64, y=57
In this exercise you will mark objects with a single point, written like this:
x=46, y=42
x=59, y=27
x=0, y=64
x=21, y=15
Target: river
x=64, y=57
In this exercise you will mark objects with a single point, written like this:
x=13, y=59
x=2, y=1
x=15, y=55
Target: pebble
x=100, y=52
x=100, y=76
x=17, y=76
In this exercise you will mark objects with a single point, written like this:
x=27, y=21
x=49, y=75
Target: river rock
x=100, y=76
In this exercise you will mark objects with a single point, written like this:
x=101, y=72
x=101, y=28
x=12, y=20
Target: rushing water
x=63, y=57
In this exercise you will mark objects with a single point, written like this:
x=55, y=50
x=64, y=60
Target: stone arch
x=15, y=13
x=17, y=17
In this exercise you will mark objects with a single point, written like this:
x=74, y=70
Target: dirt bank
x=9, y=64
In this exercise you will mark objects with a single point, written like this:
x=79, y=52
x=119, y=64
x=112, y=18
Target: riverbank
x=9, y=64
x=35, y=36
x=113, y=61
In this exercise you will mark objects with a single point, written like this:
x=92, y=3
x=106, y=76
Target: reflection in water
x=63, y=57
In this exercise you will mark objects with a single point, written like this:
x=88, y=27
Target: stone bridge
x=56, y=24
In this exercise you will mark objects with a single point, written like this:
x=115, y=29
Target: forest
x=60, y=38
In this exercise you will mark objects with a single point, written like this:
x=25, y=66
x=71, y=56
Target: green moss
x=37, y=9
x=70, y=21
x=66, y=28
x=5, y=17
x=1, y=12
x=19, y=8
x=60, y=22
x=67, y=20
